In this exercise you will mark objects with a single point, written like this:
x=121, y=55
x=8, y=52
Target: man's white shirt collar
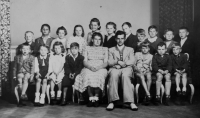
x=120, y=47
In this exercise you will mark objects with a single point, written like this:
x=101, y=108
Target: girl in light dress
x=56, y=69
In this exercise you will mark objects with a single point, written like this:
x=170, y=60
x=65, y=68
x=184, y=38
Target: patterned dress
x=143, y=64
x=95, y=56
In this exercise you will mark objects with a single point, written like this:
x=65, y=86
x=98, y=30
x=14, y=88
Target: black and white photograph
x=99, y=58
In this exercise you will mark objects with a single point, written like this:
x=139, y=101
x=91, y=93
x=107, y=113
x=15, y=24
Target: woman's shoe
x=96, y=103
x=90, y=104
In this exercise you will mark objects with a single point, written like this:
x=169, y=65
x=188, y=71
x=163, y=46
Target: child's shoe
x=148, y=99
x=157, y=99
x=64, y=102
x=91, y=102
x=37, y=99
x=167, y=100
x=42, y=100
x=53, y=95
x=58, y=95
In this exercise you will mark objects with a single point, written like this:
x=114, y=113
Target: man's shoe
x=110, y=107
x=133, y=107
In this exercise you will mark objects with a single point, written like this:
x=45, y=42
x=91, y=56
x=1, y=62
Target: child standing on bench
x=41, y=70
x=180, y=68
x=23, y=69
x=143, y=69
x=162, y=66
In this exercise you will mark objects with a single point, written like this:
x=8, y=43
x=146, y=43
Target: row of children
x=57, y=66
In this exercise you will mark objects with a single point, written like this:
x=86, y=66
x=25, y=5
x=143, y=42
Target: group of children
x=58, y=61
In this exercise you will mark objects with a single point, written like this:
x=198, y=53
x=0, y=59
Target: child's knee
x=38, y=80
x=159, y=77
x=184, y=75
x=44, y=81
x=27, y=76
x=20, y=76
x=168, y=78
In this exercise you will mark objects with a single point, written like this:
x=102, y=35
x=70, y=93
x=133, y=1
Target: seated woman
x=92, y=77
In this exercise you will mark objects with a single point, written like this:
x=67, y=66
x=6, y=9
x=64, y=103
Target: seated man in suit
x=121, y=60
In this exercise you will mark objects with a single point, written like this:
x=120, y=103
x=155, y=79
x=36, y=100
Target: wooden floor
x=8, y=110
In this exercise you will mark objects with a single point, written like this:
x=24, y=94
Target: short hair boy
x=73, y=67
x=29, y=37
x=169, y=36
x=179, y=68
x=162, y=66
x=23, y=69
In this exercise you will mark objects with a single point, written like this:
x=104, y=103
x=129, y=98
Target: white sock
x=52, y=93
x=178, y=89
x=184, y=89
x=37, y=97
x=42, y=98
x=59, y=93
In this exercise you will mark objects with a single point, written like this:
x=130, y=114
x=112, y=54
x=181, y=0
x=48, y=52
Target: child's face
x=126, y=29
x=141, y=37
x=169, y=35
x=45, y=31
x=161, y=50
x=177, y=50
x=78, y=31
x=43, y=51
x=120, y=40
x=145, y=50
x=110, y=29
x=58, y=49
x=74, y=50
x=61, y=34
x=183, y=33
x=26, y=50
x=94, y=26
x=97, y=41
x=29, y=37
x=152, y=32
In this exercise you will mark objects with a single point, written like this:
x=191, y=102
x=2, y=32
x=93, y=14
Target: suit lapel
x=125, y=53
x=117, y=53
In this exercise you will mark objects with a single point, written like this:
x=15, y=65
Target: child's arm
x=37, y=70
x=15, y=68
x=32, y=68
